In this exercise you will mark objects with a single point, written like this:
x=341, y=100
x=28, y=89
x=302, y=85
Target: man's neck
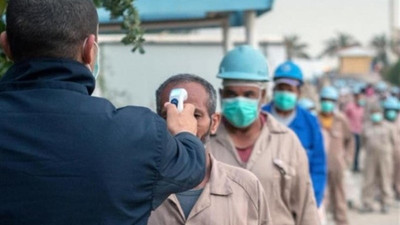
x=243, y=138
x=208, y=172
x=326, y=115
x=282, y=113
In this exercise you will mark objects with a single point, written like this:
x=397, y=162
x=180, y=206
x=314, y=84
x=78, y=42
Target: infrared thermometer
x=177, y=97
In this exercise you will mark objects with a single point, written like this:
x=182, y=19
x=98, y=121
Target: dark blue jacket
x=308, y=130
x=69, y=158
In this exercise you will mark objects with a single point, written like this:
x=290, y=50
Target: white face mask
x=96, y=69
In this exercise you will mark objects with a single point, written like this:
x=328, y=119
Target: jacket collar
x=300, y=120
x=49, y=73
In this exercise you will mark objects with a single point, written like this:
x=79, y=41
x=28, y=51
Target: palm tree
x=295, y=48
x=335, y=44
x=380, y=43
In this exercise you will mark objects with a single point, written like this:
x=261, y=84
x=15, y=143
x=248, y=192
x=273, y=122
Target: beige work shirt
x=340, y=143
x=379, y=139
x=232, y=196
x=397, y=130
x=280, y=162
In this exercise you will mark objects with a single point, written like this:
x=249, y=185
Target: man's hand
x=184, y=121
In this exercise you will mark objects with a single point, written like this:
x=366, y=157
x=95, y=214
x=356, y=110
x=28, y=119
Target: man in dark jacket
x=67, y=157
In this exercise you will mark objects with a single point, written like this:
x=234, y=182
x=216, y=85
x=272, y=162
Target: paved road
x=376, y=218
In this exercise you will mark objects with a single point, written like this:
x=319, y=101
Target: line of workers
x=270, y=163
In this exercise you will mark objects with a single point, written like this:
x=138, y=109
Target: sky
x=315, y=21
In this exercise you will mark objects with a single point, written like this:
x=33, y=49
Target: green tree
x=337, y=43
x=393, y=74
x=381, y=44
x=117, y=8
x=295, y=48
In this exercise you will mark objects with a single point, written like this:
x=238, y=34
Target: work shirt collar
x=271, y=127
x=217, y=185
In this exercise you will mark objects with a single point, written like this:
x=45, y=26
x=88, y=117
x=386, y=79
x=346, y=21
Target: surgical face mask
x=361, y=102
x=241, y=112
x=391, y=115
x=96, y=69
x=327, y=106
x=376, y=117
x=285, y=100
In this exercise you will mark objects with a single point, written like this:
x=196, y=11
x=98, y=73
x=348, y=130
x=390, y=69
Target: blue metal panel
x=183, y=6
x=163, y=10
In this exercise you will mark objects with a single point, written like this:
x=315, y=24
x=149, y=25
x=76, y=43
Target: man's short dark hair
x=188, y=78
x=49, y=28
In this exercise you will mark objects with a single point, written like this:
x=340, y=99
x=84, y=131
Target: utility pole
x=394, y=26
x=250, y=26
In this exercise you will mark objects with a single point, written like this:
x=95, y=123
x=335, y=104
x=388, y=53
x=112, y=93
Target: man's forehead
x=242, y=83
x=196, y=92
x=284, y=85
x=241, y=88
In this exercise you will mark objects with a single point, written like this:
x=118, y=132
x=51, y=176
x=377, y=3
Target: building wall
x=355, y=65
x=128, y=78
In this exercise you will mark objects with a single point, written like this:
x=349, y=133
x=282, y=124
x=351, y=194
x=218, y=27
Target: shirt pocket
x=284, y=179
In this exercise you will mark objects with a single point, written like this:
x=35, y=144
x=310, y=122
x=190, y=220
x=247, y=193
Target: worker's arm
x=303, y=205
x=263, y=207
x=182, y=161
x=394, y=138
x=349, y=142
x=318, y=169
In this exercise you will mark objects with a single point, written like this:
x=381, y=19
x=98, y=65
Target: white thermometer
x=177, y=97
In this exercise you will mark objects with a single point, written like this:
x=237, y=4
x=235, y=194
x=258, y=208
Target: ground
x=376, y=218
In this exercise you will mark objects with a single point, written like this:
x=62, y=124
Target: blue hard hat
x=395, y=90
x=329, y=92
x=339, y=84
x=290, y=70
x=362, y=85
x=244, y=63
x=357, y=89
x=306, y=103
x=381, y=86
x=391, y=103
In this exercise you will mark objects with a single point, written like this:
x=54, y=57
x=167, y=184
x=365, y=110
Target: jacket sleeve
x=303, y=205
x=263, y=207
x=348, y=142
x=317, y=162
x=181, y=164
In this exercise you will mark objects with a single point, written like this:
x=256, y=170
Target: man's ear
x=215, y=121
x=89, y=50
x=5, y=45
